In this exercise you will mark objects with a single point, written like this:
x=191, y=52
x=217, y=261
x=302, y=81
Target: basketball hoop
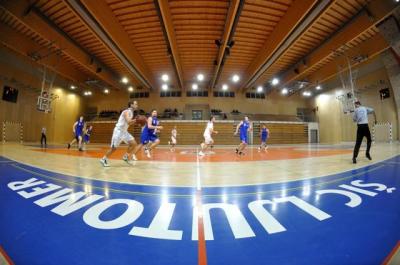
x=348, y=78
x=45, y=97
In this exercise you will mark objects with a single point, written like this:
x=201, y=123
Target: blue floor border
x=298, y=222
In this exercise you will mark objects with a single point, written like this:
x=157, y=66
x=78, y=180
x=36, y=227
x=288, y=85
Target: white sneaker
x=147, y=152
x=134, y=158
x=201, y=153
x=104, y=162
x=126, y=159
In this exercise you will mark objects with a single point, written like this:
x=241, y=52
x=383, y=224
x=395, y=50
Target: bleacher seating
x=263, y=117
x=102, y=131
x=191, y=132
x=216, y=112
x=171, y=114
x=108, y=113
x=283, y=133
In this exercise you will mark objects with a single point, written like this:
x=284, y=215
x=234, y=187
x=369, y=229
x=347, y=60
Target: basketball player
x=244, y=126
x=77, y=129
x=264, y=137
x=360, y=116
x=208, y=140
x=121, y=134
x=172, y=143
x=149, y=135
x=143, y=138
x=88, y=133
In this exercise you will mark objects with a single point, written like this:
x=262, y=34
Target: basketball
x=141, y=120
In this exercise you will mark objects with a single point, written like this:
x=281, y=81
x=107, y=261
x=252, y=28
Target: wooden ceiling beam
x=368, y=49
x=101, y=20
x=293, y=17
x=24, y=46
x=372, y=14
x=32, y=20
x=233, y=13
x=169, y=31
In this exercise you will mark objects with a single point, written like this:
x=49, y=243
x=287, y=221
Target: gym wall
x=335, y=126
x=273, y=104
x=58, y=123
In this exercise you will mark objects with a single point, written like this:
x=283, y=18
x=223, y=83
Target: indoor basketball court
x=200, y=132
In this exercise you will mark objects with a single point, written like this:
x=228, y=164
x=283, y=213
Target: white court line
x=198, y=178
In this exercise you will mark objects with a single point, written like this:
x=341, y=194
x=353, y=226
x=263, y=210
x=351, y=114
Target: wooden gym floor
x=220, y=167
x=293, y=204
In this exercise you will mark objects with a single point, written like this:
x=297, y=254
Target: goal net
x=12, y=132
x=382, y=132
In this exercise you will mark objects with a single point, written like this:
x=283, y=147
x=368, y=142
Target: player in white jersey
x=172, y=143
x=121, y=134
x=208, y=140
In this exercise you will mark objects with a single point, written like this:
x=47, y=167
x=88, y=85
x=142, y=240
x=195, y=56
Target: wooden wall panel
x=58, y=123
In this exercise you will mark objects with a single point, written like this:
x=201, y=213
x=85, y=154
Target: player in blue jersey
x=78, y=129
x=244, y=127
x=87, y=134
x=149, y=136
x=264, y=133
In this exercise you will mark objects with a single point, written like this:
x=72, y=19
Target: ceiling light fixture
x=165, y=77
x=275, y=81
x=125, y=80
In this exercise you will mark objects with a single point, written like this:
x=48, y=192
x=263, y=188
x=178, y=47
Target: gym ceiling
x=301, y=42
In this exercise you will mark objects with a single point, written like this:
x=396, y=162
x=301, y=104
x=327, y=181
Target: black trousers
x=43, y=139
x=362, y=130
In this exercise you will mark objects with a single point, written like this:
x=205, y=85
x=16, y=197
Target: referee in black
x=43, y=139
x=360, y=116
